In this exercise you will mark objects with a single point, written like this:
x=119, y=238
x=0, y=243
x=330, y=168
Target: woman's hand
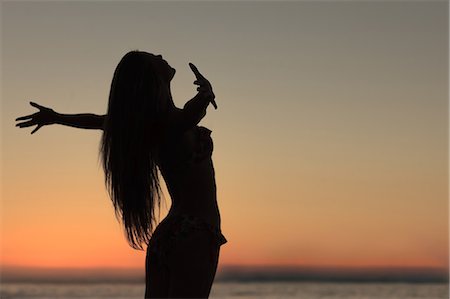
x=45, y=116
x=204, y=87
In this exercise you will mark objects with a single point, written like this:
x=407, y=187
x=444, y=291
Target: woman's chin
x=173, y=71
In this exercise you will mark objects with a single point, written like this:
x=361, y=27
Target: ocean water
x=234, y=290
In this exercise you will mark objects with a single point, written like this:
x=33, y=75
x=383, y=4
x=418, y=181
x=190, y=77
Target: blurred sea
x=233, y=290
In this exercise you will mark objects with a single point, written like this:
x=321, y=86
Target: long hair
x=129, y=146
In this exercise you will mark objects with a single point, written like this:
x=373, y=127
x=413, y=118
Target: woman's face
x=162, y=67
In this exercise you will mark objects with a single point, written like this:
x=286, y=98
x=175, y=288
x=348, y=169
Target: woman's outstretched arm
x=46, y=116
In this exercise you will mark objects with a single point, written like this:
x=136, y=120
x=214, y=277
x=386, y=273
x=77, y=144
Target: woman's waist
x=201, y=173
x=207, y=214
x=193, y=195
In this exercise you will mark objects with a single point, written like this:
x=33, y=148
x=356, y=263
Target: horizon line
x=230, y=273
x=232, y=265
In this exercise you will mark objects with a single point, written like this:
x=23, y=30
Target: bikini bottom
x=177, y=227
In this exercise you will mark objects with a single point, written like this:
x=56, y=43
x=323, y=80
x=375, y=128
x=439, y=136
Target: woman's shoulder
x=176, y=131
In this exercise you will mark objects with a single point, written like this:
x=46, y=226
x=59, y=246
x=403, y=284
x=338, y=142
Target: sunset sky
x=330, y=141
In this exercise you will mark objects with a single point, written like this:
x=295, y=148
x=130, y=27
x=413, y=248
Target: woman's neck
x=170, y=103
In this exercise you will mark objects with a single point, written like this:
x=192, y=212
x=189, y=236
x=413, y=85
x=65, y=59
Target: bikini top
x=203, y=144
x=196, y=145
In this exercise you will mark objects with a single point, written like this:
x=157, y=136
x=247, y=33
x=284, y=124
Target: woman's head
x=139, y=101
x=144, y=79
x=155, y=63
x=161, y=67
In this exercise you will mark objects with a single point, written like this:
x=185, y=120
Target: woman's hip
x=184, y=237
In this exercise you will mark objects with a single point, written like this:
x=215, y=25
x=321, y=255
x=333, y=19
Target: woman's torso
x=186, y=165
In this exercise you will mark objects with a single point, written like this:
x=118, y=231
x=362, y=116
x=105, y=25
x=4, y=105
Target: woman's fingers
x=213, y=102
x=26, y=124
x=209, y=95
x=204, y=85
x=201, y=80
x=26, y=117
x=38, y=119
x=37, y=128
x=37, y=105
x=195, y=71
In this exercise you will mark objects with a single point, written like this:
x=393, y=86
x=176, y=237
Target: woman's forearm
x=194, y=110
x=82, y=120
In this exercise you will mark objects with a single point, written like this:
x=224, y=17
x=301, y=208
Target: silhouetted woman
x=143, y=131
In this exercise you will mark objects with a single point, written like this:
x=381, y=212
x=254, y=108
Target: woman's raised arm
x=46, y=116
x=195, y=109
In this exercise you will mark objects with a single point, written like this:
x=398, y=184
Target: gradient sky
x=330, y=137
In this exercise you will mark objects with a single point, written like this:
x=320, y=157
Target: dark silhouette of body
x=144, y=131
